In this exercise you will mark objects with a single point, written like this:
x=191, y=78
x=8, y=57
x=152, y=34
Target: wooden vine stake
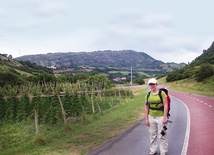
x=120, y=97
x=62, y=108
x=99, y=106
x=92, y=103
x=92, y=100
x=36, y=124
x=100, y=96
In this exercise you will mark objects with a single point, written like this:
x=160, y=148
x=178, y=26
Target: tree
x=45, y=77
x=205, y=71
x=79, y=76
x=10, y=57
x=99, y=81
x=139, y=81
x=9, y=78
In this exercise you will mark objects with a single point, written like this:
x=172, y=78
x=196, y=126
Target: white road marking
x=186, y=139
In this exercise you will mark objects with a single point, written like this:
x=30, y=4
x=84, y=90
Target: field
x=125, y=73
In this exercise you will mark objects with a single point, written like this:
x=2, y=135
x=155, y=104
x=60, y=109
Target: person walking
x=156, y=118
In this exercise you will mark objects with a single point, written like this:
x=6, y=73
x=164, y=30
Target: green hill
x=206, y=57
x=201, y=69
x=122, y=59
x=13, y=72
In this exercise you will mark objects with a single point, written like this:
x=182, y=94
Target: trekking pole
x=169, y=121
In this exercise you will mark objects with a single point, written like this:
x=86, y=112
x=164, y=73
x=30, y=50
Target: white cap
x=153, y=80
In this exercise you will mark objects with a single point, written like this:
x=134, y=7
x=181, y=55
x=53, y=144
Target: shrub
x=205, y=71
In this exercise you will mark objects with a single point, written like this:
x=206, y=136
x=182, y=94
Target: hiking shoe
x=152, y=153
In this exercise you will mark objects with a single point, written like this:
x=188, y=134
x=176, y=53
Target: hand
x=164, y=121
x=147, y=123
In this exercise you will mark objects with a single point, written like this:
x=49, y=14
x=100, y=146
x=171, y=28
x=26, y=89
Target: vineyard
x=57, y=103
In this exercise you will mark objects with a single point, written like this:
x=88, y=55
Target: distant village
x=118, y=79
x=51, y=67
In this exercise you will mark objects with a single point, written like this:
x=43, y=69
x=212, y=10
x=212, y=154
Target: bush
x=180, y=74
x=139, y=81
x=205, y=71
x=8, y=78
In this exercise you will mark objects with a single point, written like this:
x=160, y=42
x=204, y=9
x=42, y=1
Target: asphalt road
x=201, y=138
x=135, y=141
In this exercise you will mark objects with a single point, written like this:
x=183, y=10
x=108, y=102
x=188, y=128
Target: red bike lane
x=201, y=108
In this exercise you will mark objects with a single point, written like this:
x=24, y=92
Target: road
x=201, y=138
x=135, y=141
x=191, y=132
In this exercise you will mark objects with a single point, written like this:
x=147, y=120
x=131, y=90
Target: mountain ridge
x=106, y=58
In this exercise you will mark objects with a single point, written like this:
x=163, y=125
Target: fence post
x=62, y=108
x=36, y=123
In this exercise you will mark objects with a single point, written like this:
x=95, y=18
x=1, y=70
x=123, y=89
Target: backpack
x=168, y=100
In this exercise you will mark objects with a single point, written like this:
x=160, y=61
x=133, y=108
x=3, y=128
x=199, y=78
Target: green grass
x=23, y=72
x=76, y=138
x=122, y=72
x=125, y=73
x=191, y=86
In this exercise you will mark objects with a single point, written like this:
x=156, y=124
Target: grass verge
x=190, y=86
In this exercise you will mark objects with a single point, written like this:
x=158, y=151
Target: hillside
x=206, y=57
x=13, y=72
x=108, y=58
x=201, y=69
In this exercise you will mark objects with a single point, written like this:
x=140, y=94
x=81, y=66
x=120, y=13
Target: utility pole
x=131, y=76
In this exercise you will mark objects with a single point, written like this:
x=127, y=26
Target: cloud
x=30, y=15
x=150, y=33
x=144, y=20
x=32, y=26
x=141, y=24
x=47, y=9
x=136, y=31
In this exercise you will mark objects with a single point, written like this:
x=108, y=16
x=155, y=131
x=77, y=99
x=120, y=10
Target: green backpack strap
x=147, y=99
x=159, y=93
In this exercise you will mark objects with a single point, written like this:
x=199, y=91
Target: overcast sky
x=167, y=30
